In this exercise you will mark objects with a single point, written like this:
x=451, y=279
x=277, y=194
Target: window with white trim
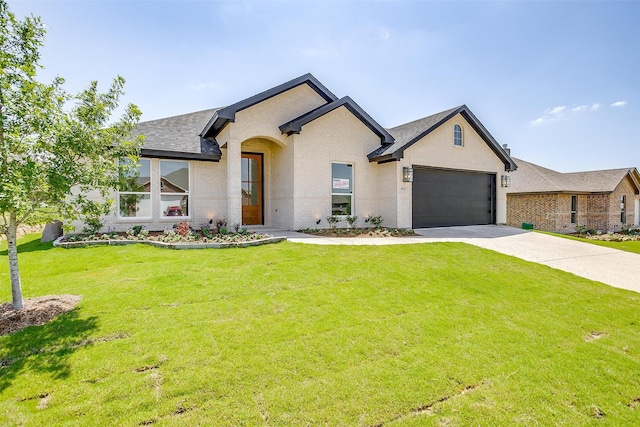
x=134, y=195
x=174, y=188
x=457, y=135
x=341, y=189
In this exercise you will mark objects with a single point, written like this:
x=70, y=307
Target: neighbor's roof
x=531, y=178
x=178, y=134
x=179, y=178
x=408, y=134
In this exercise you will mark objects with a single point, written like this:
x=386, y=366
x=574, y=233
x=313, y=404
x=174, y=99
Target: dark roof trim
x=295, y=125
x=180, y=155
x=509, y=164
x=228, y=114
x=634, y=176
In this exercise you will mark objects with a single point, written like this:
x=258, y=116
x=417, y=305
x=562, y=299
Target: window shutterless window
x=457, y=135
x=574, y=209
x=174, y=188
x=341, y=189
x=623, y=210
x=134, y=192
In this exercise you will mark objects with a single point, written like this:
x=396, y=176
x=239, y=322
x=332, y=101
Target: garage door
x=448, y=197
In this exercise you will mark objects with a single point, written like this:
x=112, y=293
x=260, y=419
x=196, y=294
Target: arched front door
x=251, y=188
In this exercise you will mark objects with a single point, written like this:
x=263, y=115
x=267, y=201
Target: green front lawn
x=294, y=334
x=629, y=246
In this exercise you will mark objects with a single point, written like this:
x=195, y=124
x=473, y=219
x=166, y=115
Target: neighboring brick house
x=604, y=200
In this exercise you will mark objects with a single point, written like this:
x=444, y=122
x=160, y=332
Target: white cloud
x=383, y=34
x=561, y=112
x=556, y=110
x=550, y=115
x=619, y=104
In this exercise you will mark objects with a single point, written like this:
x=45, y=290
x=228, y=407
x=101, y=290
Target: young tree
x=54, y=148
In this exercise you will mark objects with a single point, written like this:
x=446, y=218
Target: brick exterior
x=624, y=188
x=598, y=208
x=539, y=209
x=552, y=212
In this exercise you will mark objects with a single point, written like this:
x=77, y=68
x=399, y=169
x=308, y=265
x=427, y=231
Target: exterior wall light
x=407, y=174
x=505, y=181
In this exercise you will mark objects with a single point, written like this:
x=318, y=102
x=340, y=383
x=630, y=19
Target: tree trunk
x=12, y=249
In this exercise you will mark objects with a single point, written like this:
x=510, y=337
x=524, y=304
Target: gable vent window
x=574, y=209
x=457, y=135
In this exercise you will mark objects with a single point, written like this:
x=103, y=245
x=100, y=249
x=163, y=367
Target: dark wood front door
x=251, y=188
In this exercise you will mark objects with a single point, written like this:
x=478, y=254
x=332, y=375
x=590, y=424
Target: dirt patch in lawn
x=36, y=311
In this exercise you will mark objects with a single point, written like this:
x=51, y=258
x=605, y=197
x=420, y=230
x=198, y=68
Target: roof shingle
x=531, y=178
x=177, y=133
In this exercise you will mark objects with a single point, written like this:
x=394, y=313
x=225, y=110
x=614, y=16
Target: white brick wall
x=297, y=168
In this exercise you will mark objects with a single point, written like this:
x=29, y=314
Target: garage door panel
x=448, y=198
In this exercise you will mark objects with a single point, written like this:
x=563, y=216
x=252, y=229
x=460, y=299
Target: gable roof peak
x=426, y=118
x=228, y=114
x=295, y=125
x=409, y=133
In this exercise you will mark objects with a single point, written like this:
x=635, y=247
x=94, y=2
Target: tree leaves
x=57, y=161
x=50, y=141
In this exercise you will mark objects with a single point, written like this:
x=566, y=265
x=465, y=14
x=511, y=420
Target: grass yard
x=628, y=246
x=294, y=334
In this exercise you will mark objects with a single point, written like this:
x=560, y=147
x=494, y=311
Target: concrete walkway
x=610, y=266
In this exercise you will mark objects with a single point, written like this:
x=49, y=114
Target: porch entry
x=252, y=188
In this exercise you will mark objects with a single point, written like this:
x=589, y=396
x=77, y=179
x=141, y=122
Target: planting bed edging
x=82, y=244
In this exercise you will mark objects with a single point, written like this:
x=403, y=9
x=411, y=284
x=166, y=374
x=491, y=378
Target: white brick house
x=295, y=154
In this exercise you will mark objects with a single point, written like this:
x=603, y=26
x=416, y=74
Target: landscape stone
x=51, y=231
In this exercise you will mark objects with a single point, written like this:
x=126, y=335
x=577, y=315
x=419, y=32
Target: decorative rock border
x=174, y=245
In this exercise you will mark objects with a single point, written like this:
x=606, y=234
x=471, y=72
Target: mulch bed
x=36, y=311
x=360, y=232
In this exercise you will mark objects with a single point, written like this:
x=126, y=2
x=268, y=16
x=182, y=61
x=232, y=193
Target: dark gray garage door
x=447, y=197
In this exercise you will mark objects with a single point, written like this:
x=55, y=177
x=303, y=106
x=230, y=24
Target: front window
x=134, y=195
x=341, y=189
x=623, y=210
x=174, y=188
x=457, y=135
x=574, y=209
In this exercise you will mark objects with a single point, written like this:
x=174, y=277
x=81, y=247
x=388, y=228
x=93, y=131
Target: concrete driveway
x=610, y=266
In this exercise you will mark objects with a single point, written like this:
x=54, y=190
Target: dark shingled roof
x=192, y=136
x=531, y=178
x=405, y=133
x=408, y=134
x=179, y=135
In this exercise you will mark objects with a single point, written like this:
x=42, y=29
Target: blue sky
x=557, y=81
